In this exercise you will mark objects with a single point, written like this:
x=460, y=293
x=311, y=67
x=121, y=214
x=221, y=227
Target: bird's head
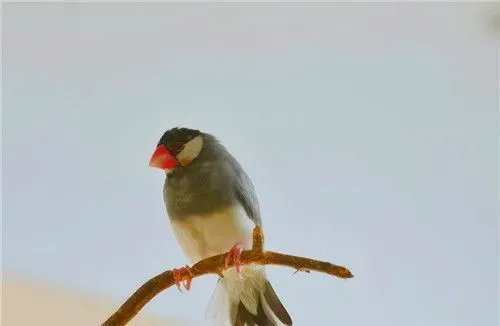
x=177, y=147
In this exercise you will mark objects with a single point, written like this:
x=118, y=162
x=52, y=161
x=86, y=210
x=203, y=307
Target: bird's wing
x=246, y=195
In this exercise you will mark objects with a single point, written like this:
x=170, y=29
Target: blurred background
x=369, y=130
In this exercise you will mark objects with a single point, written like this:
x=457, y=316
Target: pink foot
x=178, y=278
x=234, y=257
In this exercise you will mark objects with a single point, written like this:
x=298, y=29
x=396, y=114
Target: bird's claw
x=178, y=278
x=234, y=257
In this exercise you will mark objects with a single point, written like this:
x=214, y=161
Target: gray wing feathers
x=245, y=192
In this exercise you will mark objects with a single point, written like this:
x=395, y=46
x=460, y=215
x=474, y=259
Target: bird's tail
x=246, y=300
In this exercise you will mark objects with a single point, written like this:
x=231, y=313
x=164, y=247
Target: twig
x=216, y=265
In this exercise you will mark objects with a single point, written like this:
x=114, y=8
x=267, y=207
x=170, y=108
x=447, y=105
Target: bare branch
x=216, y=265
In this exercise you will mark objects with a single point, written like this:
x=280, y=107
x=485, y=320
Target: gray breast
x=197, y=192
x=209, y=183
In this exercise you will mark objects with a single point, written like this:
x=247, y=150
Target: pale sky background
x=369, y=131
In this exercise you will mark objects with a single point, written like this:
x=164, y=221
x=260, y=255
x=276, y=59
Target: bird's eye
x=176, y=147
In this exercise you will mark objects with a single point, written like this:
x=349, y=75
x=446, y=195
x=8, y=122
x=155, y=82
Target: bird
x=213, y=208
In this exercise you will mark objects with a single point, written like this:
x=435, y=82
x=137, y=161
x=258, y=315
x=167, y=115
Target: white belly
x=202, y=236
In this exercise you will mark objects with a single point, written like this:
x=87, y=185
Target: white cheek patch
x=191, y=150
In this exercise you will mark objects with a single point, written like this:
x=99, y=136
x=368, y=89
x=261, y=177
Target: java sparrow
x=213, y=208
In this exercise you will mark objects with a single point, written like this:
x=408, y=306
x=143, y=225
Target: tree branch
x=216, y=265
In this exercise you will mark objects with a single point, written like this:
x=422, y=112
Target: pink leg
x=234, y=257
x=178, y=278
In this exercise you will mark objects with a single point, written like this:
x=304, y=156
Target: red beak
x=162, y=159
